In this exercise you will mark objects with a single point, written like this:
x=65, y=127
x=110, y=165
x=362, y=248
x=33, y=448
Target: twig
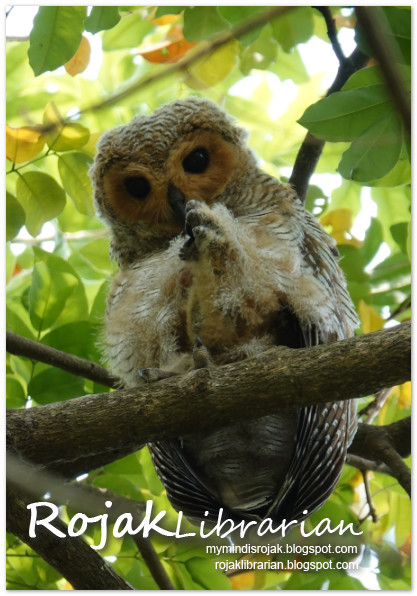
x=384, y=48
x=372, y=409
x=331, y=31
x=362, y=463
x=372, y=511
x=21, y=346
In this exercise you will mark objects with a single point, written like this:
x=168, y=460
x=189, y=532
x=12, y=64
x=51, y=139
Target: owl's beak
x=177, y=202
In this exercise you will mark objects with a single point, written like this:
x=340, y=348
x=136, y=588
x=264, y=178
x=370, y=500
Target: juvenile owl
x=220, y=261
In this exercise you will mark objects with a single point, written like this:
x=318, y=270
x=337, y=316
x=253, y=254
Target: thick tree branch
x=98, y=425
x=21, y=346
x=386, y=444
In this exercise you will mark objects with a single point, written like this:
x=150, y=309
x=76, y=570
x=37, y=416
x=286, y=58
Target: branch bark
x=72, y=557
x=77, y=432
x=21, y=346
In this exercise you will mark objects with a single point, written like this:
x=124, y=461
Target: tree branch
x=384, y=48
x=97, y=426
x=72, y=557
x=21, y=346
x=86, y=499
x=387, y=444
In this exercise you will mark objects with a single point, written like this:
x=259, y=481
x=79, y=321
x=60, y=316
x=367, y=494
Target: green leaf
x=163, y=10
x=202, y=22
x=370, y=75
x=344, y=115
x=399, y=232
x=373, y=240
x=15, y=392
x=129, y=32
x=73, y=169
x=52, y=385
x=290, y=66
x=41, y=198
x=293, y=28
x=375, y=152
x=397, y=28
x=102, y=17
x=203, y=573
x=55, y=37
x=237, y=14
x=259, y=54
x=56, y=292
x=15, y=216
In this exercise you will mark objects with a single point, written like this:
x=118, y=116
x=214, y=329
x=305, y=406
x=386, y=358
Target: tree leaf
x=344, y=115
x=24, y=143
x=375, y=152
x=293, y=28
x=81, y=58
x=63, y=136
x=129, y=32
x=55, y=36
x=56, y=295
x=202, y=22
x=101, y=18
x=15, y=216
x=73, y=169
x=214, y=67
x=41, y=198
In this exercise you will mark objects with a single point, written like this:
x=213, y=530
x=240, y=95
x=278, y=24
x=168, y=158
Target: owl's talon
x=151, y=375
x=201, y=355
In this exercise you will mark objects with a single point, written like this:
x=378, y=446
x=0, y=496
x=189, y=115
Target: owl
x=219, y=261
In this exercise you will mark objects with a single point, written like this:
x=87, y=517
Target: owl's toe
x=151, y=375
x=201, y=355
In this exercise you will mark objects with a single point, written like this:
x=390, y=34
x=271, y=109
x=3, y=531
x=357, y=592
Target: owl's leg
x=201, y=359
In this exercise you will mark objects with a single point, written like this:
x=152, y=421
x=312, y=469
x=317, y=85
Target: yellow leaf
x=340, y=220
x=62, y=136
x=81, y=58
x=166, y=19
x=24, y=143
x=404, y=399
x=242, y=581
x=214, y=67
x=170, y=50
x=371, y=320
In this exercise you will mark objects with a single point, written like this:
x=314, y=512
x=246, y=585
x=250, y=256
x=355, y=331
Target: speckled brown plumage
x=210, y=246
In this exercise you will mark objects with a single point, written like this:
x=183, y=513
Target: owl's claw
x=151, y=375
x=201, y=355
x=203, y=230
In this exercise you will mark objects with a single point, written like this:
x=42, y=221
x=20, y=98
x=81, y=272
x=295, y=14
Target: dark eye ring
x=197, y=161
x=138, y=187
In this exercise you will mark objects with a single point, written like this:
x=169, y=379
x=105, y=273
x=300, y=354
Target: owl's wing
x=185, y=490
x=325, y=431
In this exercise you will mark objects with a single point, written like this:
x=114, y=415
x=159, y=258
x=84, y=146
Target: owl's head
x=143, y=171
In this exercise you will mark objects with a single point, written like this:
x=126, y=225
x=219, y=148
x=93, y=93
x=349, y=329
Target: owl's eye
x=138, y=187
x=197, y=161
